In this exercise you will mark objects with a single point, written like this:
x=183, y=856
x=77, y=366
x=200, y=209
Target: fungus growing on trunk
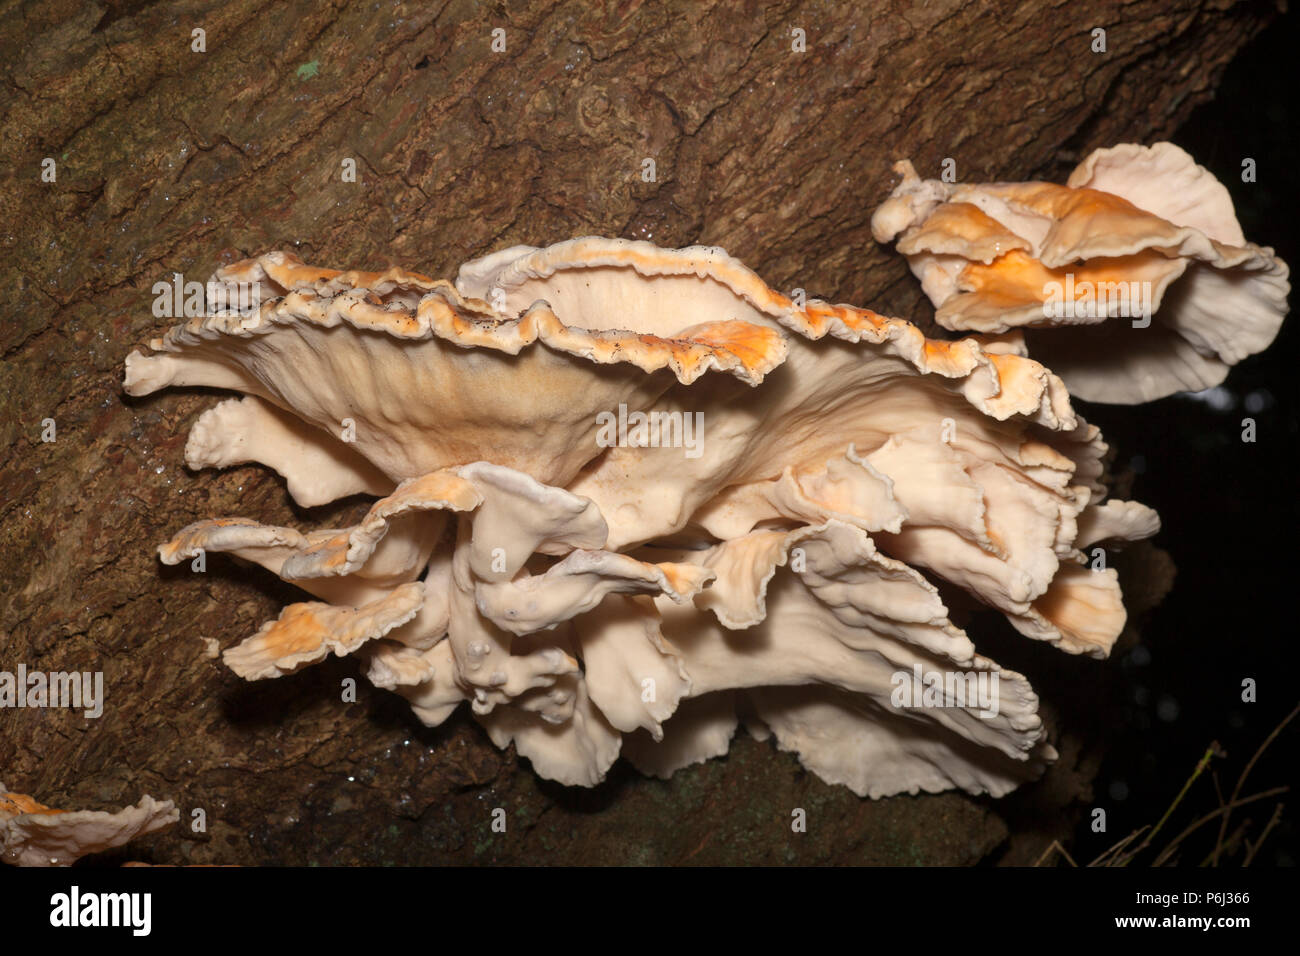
x=32, y=834
x=631, y=495
x=1133, y=281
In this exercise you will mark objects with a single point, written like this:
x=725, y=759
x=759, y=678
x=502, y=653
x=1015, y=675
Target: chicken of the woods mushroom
x=628, y=497
x=1132, y=281
x=32, y=834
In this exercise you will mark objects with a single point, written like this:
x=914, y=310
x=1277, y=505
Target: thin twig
x=1168, y=851
x=1200, y=768
x=1118, y=846
x=1223, y=826
x=1056, y=845
x=1238, y=835
x=1250, y=854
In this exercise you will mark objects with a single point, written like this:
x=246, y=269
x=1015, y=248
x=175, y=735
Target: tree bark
x=171, y=160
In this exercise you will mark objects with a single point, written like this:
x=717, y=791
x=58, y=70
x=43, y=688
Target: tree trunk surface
x=170, y=160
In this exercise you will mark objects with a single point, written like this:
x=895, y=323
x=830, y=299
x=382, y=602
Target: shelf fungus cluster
x=545, y=547
x=32, y=834
x=1133, y=280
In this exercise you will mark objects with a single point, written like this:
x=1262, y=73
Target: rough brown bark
x=174, y=161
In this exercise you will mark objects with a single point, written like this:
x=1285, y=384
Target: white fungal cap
x=1138, y=235
x=820, y=646
x=32, y=834
x=411, y=390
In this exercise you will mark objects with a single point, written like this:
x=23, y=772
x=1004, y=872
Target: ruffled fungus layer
x=1137, y=266
x=630, y=496
x=32, y=834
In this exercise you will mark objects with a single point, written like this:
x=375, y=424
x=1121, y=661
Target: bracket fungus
x=32, y=834
x=594, y=590
x=1132, y=281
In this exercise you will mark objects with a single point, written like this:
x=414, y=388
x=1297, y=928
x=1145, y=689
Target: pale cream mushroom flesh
x=629, y=496
x=1132, y=282
x=32, y=834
